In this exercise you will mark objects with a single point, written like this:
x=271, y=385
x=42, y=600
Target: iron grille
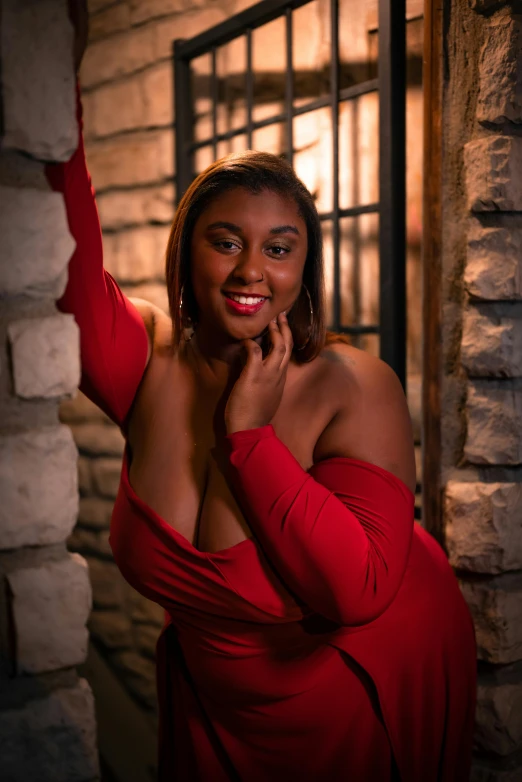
x=391, y=88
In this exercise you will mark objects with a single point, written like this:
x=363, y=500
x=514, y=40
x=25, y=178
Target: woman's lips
x=243, y=309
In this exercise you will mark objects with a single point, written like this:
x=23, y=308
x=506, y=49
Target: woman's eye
x=226, y=244
x=276, y=248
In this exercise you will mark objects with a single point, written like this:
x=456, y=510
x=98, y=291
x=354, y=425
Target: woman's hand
x=257, y=393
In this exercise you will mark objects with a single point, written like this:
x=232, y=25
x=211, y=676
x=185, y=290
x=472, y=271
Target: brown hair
x=254, y=171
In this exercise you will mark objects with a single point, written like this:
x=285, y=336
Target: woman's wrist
x=240, y=433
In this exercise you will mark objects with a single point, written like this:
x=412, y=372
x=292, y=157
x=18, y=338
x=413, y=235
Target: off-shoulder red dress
x=332, y=645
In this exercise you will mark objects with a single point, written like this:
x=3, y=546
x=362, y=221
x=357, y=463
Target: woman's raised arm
x=115, y=345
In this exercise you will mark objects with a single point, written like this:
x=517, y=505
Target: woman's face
x=251, y=245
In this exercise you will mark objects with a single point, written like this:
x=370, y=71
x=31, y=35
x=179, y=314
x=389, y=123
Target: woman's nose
x=249, y=265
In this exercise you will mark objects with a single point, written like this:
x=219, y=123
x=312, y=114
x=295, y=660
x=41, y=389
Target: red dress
x=332, y=645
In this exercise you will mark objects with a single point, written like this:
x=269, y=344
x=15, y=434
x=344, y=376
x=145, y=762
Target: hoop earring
x=189, y=319
x=302, y=347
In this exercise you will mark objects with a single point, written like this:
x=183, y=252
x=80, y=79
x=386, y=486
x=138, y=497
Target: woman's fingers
x=282, y=342
x=288, y=338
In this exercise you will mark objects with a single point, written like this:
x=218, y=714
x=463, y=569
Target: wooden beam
x=432, y=514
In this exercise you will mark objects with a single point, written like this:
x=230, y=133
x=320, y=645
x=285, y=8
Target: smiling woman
x=266, y=502
x=285, y=248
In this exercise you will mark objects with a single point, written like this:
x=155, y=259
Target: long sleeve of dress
x=343, y=552
x=113, y=337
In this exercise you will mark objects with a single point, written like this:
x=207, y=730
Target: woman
x=313, y=631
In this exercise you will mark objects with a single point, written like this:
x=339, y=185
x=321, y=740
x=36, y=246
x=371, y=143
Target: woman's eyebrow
x=224, y=224
x=284, y=229
x=278, y=229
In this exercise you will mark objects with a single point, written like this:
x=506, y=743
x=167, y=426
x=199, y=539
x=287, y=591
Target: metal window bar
x=391, y=86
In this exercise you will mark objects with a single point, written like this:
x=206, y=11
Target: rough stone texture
x=95, y=513
x=98, y=439
x=143, y=611
x=55, y=735
x=84, y=475
x=143, y=11
x=112, y=629
x=494, y=261
x=50, y=607
x=146, y=637
x=137, y=254
x=109, y=589
x=488, y=5
x=86, y=541
x=121, y=209
x=81, y=410
x=498, y=723
x=38, y=487
x=494, y=434
x=131, y=51
x=106, y=476
x=491, y=346
x=481, y=773
x=35, y=252
x=139, y=675
x=36, y=42
x=134, y=159
x=46, y=356
x=492, y=164
x=110, y=20
x=500, y=70
x=144, y=101
x=496, y=607
x=484, y=526
x=98, y=5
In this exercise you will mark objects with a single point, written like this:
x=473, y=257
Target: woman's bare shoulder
x=352, y=360
x=372, y=420
x=157, y=324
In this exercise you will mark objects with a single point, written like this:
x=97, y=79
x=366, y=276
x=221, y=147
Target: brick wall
x=47, y=725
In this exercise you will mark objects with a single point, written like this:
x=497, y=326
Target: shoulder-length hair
x=255, y=172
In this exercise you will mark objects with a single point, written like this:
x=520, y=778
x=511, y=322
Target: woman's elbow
x=371, y=603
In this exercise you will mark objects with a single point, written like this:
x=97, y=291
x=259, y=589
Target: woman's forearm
x=344, y=554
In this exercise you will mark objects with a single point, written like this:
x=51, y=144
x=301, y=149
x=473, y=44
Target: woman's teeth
x=246, y=299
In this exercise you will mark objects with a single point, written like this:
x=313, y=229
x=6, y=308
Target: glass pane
x=311, y=61
x=235, y=144
x=371, y=343
x=359, y=272
x=358, y=50
x=414, y=156
x=269, y=139
x=359, y=151
x=313, y=155
x=231, y=71
x=203, y=158
x=200, y=72
x=328, y=270
x=269, y=68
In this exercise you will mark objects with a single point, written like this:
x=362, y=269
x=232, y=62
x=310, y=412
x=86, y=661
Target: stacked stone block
x=123, y=624
x=484, y=510
x=47, y=722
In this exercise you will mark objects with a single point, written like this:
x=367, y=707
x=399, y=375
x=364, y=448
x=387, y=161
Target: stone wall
x=47, y=724
x=482, y=382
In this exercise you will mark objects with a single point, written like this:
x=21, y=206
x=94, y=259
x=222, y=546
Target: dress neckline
x=250, y=542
